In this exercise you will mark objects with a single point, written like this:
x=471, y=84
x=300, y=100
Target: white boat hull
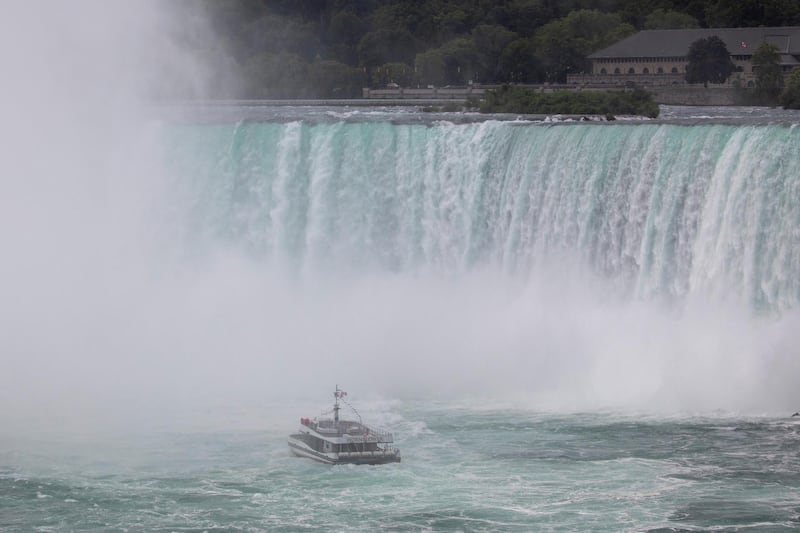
x=301, y=449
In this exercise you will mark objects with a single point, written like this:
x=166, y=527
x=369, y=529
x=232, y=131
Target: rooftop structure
x=659, y=57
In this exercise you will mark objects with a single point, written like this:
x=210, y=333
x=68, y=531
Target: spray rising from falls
x=560, y=267
x=564, y=266
x=661, y=213
x=148, y=267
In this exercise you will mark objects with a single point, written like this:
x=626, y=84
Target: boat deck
x=331, y=428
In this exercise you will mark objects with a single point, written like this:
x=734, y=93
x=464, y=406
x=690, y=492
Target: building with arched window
x=659, y=57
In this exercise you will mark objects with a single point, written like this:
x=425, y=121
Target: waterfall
x=557, y=266
x=659, y=212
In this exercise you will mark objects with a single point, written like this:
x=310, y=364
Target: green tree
x=518, y=63
x=635, y=11
x=399, y=73
x=460, y=58
x=664, y=19
x=386, y=46
x=790, y=98
x=280, y=75
x=449, y=24
x=430, y=67
x=359, y=7
x=517, y=99
x=523, y=17
x=344, y=31
x=453, y=63
x=769, y=77
x=432, y=22
x=275, y=34
x=752, y=13
x=346, y=28
x=331, y=79
x=393, y=16
x=490, y=41
x=562, y=8
x=563, y=45
x=709, y=61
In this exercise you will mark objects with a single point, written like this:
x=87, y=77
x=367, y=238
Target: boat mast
x=336, y=395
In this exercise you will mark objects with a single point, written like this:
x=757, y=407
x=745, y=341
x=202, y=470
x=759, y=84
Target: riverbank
x=662, y=94
x=442, y=96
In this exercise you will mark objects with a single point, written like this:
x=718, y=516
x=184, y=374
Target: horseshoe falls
x=638, y=265
x=567, y=326
x=660, y=213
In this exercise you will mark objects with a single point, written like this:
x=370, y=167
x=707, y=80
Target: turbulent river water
x=568, y=326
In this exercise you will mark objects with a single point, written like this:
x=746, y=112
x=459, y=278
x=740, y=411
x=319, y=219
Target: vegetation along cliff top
x=334, y=48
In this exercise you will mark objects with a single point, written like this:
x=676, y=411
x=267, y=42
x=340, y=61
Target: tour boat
x=334, y=441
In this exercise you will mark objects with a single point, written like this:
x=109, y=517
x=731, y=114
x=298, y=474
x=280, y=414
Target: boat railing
x=361, y=432
x=371, y=453
x=355, y=430
x=380, y=434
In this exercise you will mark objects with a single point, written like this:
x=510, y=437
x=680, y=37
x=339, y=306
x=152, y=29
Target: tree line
x=333, y=48
x=709, y=61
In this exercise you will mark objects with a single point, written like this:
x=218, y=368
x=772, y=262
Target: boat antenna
x=338, y=393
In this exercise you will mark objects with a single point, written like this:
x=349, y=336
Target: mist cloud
x=105, y=319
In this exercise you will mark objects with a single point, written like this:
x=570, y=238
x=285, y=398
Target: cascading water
x=662, y=212
x=575, y=265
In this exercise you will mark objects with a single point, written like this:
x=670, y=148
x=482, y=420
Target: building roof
x=676, y=43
